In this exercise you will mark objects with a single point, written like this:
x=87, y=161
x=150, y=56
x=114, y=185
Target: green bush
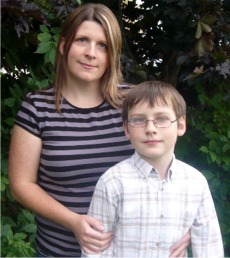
x=206, y=146
x=28, y=49
x=18, y=225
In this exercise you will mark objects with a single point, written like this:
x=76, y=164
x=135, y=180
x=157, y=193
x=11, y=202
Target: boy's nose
x=150, y=126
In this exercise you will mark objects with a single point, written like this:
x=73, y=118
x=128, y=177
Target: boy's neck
x=161, y=165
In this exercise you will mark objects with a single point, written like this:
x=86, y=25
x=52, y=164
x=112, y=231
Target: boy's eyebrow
x=157, y=113
x=137, y=114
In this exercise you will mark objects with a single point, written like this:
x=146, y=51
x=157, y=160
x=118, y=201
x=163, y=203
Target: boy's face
x=151, y=143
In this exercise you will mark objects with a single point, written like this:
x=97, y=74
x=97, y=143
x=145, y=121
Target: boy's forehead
x=158, y=103
x=158, y=107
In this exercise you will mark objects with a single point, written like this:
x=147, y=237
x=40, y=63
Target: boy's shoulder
x=186, y=170
x=120, y=170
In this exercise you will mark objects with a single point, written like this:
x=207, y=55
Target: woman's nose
x=91, y=51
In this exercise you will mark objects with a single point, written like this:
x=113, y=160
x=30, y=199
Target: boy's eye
x=162, y=119
x=138, y=120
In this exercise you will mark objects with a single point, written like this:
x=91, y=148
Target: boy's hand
x=179, y=249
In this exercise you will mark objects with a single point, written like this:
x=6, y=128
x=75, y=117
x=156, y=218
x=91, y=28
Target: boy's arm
x=103, y=207
x=205, y=232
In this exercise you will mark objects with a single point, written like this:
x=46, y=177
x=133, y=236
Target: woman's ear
x=181, y=126
x=61, y=46
x=126, y=129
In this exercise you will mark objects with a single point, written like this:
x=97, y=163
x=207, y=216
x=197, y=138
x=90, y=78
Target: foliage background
x=183, y=42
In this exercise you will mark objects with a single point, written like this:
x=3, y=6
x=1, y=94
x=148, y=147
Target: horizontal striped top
x=79, y=145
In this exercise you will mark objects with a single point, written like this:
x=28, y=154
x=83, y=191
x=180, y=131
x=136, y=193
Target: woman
x=67, y=135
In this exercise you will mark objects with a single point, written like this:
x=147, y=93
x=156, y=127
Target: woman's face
x=88, y=55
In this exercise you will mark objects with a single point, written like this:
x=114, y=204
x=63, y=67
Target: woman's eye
x=103, y=45
x=81, y=40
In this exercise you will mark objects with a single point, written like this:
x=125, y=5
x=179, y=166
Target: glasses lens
x=161, y=123
x=138, y=122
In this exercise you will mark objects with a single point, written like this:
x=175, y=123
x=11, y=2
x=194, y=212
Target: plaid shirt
x=148, y=215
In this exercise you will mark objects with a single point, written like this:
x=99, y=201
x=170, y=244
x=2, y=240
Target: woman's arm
x=180, y=248
x=24, y=157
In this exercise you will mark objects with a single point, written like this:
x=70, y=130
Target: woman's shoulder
x=124, y=89
x=41, y=93
x=37, y=97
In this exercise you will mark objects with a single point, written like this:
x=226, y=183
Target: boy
x=152, y=199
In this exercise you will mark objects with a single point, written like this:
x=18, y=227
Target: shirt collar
x=144, y=168
x=173, y=168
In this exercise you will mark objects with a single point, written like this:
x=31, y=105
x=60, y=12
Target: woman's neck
x=81, y=95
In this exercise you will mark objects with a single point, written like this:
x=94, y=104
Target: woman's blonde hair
x=113, y=76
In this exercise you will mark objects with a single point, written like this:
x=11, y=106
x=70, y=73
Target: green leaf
x=4, y=183
x=10, y=121
x=10, y=102
x=224, y=138
x=9, y=234
x=43, y=83
x=213, y=156
x=5, y=229
x=44, y=47
x=56, y=30
x=19, y=236
x=44, y=37
x=226, y=159
x=52, y=54
x=202, y=99
x=29, y=215
x=204, y=149
x=208, y=174
x=30, y=228
x=224, y=191
x=226, y=147
x=215, y=183
x=43, y=28
x=213, y=145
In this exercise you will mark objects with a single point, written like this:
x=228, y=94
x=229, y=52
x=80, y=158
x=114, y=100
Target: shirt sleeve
x=27, y=117
x=104, y=207
x=205, y=232
x=85, y=255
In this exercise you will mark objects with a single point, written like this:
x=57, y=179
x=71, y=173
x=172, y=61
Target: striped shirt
x=78, y=146
x=148, y=215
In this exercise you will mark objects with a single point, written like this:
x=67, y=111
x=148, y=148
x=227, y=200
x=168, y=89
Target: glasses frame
x=154, y=122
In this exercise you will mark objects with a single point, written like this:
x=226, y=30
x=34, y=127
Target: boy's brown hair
x=154, y=92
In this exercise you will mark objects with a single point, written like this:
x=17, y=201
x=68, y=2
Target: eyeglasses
x=161, y=122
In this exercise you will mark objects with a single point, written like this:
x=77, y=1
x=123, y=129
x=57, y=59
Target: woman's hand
x=90, y=235
x=179, y=249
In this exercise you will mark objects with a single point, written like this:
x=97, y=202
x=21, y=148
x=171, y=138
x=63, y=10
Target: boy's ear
x=126, y=129
x=181, y=126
